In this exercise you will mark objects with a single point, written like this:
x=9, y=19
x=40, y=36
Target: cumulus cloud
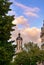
x=29, y=11
x=28, y=34
x=31, y=34
x=21, y=21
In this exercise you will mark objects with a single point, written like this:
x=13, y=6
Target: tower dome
x=19, y=37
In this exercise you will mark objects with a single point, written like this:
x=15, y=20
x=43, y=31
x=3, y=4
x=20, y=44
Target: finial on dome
x=19, y=34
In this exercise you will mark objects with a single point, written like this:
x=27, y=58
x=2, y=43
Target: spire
x=43, y=22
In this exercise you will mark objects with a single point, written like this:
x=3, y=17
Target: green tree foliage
x=36, y=54
x=30, y=56
x=22, y=59
x=6, y=48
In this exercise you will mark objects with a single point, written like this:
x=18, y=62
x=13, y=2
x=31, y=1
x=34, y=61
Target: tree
x=6, y=48
x=30, y=55
x=22, y=59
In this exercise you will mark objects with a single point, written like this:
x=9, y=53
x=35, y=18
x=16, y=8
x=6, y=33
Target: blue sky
x=29, y=16
x=33, y=21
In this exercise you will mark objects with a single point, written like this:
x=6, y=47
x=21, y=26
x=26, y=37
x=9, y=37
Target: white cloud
x=29, y=11
x=21, y=21
x=28, y=34
x=31, y=34
x=34, y=9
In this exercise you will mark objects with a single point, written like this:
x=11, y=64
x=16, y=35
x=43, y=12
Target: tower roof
x=19, y=37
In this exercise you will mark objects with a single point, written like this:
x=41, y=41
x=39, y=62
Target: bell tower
x=19, y=43
x=42, y=33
